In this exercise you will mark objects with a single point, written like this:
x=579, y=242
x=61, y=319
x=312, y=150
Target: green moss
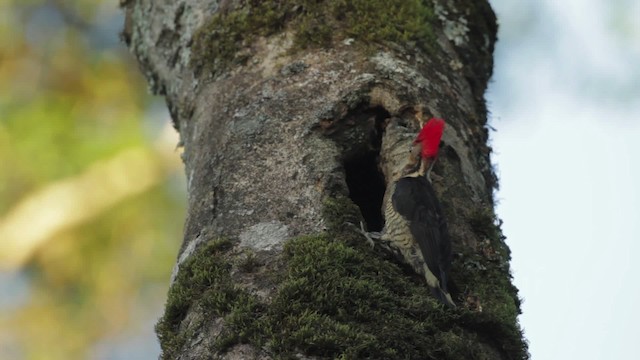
x=344, y=301
x=337, y=298
x=341, y=215
x=485, y=273
x=244, y=322
x=203, y=279
x=219, y=42
x=485, y=224
x=341, y=299
x=248, y=262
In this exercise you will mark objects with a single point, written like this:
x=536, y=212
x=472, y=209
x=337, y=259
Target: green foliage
x=218, y=43
x=70, y=99
x=79, y=117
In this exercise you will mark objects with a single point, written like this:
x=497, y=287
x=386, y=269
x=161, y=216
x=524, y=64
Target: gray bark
x=266, y=143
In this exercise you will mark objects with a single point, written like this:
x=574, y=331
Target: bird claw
x=369, y=236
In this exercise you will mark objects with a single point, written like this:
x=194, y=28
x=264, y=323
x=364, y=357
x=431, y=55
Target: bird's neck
x=423, y=169
x=426, y=164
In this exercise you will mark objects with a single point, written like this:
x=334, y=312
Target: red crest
x=430, y=136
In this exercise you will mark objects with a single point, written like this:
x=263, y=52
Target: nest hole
x=365, y=181
x=366, y=188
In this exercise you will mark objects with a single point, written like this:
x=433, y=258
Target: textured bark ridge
x=274, y=146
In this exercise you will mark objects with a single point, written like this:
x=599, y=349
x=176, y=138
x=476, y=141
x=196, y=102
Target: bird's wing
x=428, y=238
x=415, y=200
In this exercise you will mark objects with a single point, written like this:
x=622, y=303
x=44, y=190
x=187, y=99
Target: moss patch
x=484, y=273
x=219, y=42
x=203, y=280
x=337, y=298
x=342, y=301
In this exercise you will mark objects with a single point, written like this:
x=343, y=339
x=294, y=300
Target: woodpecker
x=415, y=227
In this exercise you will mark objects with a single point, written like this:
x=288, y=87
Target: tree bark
x=290, y=115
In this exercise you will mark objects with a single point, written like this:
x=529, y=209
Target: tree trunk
x=294, y=116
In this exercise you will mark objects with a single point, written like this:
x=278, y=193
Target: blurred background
x=565, y=100
x=92, y=193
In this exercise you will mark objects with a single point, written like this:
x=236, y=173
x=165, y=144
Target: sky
x=565, y=103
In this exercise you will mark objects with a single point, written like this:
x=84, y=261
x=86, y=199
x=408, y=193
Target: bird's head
x=424, y=150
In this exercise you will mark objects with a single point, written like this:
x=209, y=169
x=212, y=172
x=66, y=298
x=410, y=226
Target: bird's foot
x=369, y=236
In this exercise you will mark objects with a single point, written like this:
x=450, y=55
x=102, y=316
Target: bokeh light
x=92, y=194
